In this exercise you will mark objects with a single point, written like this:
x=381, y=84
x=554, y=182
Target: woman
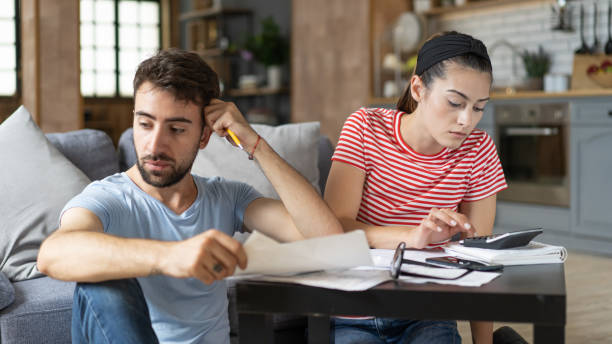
x=420, y=174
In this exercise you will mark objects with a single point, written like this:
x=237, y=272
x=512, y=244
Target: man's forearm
x=93, y=256
x=309, y=212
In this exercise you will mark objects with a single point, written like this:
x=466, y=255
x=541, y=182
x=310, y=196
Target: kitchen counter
x=542, y=94
x=521, y=95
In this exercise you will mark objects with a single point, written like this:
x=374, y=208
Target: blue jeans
x=385, y=330
x=111, y=312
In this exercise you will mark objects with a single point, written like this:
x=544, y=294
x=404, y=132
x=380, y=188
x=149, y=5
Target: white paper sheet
x=472, y=279
x=343, y=251
x=349, y=280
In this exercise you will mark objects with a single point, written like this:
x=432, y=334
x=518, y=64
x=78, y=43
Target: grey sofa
x=42, y=307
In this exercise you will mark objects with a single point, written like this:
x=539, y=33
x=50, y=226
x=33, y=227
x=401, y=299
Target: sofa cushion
x=126, y=150
x=41, y=312
x=7, y=292
x=92, y=151
x=36, y=181
x=297, y=143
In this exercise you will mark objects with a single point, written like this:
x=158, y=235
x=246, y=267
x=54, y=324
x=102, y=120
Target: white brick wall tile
x=527, y=27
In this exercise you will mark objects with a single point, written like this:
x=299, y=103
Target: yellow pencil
x=235, y=138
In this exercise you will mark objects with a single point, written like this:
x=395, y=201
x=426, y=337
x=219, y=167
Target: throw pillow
x=7, y=292
x=36, y=181
x=91, y=150
x=296, y=143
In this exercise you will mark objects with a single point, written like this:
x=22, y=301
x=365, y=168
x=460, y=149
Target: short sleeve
x=351, y=148
x=487, y=177
x=243, y=194
x=99, y=199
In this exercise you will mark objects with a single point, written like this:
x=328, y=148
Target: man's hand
x=439, y=225
x=210, y=256
x=221, y=116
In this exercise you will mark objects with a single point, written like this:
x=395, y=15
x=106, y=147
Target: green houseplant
x=271, y=49
x=537, y=65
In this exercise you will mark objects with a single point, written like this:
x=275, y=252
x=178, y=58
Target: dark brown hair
x=182, y=73
x=470, y=60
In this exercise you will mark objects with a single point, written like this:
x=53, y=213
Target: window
x=8, y=47
x=115, y=36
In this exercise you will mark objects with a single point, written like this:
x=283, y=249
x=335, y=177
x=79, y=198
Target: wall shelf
x=475, y=5
x=256, y=91
x=211, y=13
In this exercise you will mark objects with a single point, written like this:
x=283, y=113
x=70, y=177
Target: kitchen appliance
x=595, y=47
x=608, y=46
x=533, y=145
x=584, y=48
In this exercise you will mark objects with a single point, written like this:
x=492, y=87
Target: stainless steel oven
x=533, y=145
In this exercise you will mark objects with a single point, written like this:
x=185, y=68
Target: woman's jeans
x=384, y=330
x=111, y=312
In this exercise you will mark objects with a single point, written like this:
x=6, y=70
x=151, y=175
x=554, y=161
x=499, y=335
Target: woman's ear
x=417, y=89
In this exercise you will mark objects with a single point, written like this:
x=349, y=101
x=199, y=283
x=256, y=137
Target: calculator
x=501, y=241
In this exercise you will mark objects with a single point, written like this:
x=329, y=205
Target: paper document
x=472, y=279
x=349, y=280
x=343, y=251
x=533, y=253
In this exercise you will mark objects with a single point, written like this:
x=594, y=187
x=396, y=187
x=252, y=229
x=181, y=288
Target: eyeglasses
x=398, y=260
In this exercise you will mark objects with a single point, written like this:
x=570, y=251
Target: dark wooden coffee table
x=532, y=293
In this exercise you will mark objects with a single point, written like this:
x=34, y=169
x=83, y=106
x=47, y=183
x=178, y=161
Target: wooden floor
x=589, y=302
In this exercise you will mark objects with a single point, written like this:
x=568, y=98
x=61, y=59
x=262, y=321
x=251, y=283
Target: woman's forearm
x=380, y=236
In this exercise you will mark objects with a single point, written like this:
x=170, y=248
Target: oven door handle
x=540, y=131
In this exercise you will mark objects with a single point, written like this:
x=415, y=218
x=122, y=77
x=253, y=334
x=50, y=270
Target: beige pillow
x=36, y=181
x=296, y=143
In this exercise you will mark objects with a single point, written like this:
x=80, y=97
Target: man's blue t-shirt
x=182, y=310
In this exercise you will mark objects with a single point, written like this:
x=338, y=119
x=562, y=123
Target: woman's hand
x=440, y=225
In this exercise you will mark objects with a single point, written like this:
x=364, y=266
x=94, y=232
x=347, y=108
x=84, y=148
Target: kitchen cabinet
x=487, y=123
x=591, y=141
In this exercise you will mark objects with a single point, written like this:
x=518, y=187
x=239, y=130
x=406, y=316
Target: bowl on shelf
x=602, y=79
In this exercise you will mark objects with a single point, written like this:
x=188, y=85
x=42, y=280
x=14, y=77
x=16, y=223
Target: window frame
x=117, y=72
x=17, y=19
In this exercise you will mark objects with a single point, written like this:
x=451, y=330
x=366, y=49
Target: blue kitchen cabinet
x=591, y=170
x=487, y=123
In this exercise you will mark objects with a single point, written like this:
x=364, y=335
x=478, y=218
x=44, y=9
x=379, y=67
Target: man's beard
x=163, y=180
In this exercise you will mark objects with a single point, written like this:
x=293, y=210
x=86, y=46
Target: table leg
x=255, y=328
x=318, y=329
x=548, y=334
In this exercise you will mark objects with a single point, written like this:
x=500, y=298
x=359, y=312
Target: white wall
x=527, y=26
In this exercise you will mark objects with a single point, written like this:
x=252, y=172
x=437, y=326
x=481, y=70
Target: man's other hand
x=210, y=256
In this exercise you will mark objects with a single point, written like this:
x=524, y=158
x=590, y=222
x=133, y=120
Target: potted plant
x=270, y=49
x=536, y=66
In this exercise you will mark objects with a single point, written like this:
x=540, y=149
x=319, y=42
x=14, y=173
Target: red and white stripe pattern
x=402, y=185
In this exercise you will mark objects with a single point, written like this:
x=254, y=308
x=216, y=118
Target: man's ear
x=206, y=133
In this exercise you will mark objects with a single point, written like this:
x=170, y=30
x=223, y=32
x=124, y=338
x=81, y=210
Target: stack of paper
x=534, y=253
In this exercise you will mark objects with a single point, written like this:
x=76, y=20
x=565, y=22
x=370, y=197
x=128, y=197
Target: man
x=169, y=229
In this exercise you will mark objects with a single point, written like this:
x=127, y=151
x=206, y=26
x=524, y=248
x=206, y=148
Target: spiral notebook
x=533, y=253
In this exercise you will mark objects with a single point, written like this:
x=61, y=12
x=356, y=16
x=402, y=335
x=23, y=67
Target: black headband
x=445, y=47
